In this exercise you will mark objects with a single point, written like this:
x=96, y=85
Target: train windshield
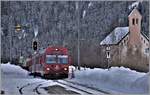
x=50, y=59
x=62, y=59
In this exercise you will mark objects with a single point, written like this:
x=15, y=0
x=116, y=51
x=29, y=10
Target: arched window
x=108, y=54
x=107, y=48
x=124, y=40
x=137, y=21
x=133, y=21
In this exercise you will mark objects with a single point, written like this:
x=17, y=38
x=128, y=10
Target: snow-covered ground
x=116, y=79
x=14, y=77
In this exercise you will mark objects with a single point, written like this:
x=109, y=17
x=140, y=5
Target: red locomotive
x=52, y=61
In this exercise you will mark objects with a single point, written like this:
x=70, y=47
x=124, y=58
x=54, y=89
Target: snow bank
x=118, y=79
x=142, y=83
x=14, y=77
x=115, y=79
x=11, y=69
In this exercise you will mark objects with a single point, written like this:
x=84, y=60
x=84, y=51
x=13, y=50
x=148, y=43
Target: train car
x=52, y=61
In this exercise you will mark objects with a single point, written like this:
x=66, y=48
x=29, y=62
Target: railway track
x=83, y=88
x=74, y=86
x=84, y=91
x=34, y=90
x=105, y=92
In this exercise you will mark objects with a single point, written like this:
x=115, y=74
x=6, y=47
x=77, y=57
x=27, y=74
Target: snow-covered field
x=116, y=79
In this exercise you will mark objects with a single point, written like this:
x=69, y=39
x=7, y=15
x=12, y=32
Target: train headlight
x=56, y=49
x=65, y=69
x=48, y=69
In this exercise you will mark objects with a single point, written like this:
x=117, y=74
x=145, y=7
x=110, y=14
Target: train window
x=50, y=59
x=63, y=59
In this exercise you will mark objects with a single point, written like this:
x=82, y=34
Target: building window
x=147, y=50
x=136, y=21
x=144, y=41
x=133, y=21
x=108, y=54
x=141, y=38
x=124, y=41
x=127, y=38
x=108, y=48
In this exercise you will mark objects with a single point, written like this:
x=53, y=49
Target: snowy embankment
x=14, y=70
x=122, y=80
x=13, y=77
x=116, y=79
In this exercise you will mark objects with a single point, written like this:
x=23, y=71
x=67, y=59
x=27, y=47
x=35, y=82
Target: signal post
x=35, y=48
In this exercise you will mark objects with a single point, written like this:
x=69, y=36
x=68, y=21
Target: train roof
x=42, y=51
x=53, y=48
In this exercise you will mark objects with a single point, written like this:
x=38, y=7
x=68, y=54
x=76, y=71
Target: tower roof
x=135, y=12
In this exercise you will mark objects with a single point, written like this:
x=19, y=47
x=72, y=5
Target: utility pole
x=35, y=48
x=10, y=39
x=78, y=26
x=10, y=45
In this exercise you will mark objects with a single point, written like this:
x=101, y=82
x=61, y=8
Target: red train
x=52, y=61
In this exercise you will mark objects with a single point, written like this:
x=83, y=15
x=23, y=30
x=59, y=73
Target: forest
x=63, y=23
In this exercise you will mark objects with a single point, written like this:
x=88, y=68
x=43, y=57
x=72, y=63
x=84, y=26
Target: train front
x=56, y=62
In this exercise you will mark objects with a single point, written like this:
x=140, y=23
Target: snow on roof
x=135, y=4
x=115, y=36
x=147, y=37
x=134, y=12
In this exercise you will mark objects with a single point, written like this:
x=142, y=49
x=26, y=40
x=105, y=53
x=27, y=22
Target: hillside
x=58, y=25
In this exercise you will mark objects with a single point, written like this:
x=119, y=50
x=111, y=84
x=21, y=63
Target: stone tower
x=134, y=28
